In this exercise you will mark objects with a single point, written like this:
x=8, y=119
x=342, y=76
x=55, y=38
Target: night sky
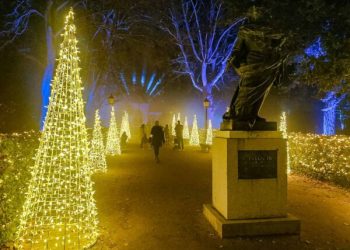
x=23, y=61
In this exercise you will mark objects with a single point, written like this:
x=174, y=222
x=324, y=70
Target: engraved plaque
x=257, y=164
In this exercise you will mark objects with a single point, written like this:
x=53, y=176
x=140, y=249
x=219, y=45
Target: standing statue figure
x=258, y=59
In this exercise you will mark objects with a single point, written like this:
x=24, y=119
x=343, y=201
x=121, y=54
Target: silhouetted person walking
x=123, y=140
x=167, y=134
x=143, y=135
x=157, y=135
x=179, y=135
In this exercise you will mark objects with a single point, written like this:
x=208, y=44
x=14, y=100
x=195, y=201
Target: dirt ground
x=147, y=206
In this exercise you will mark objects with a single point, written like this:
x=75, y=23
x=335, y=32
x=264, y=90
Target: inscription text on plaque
x=257, y=164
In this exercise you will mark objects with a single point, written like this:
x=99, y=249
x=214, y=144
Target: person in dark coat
x=157, y=135
x=123, y=140
x=179, y=135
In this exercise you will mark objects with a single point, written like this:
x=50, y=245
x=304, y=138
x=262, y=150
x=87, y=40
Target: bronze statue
x=258, y=58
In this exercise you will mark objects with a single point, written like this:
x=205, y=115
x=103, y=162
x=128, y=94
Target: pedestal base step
x=253, y=227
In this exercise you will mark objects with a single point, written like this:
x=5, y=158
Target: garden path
x=147, y=206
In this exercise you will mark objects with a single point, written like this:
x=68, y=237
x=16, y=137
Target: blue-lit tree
x=18, y=23
x=205, y=46
x=103, y=20
x=331, y=103
x=333, y=87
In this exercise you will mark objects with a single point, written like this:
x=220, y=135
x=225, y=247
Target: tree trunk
x=50, y=65
x=209, y=95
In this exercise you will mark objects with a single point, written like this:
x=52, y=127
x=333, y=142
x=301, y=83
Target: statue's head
x=256, y=14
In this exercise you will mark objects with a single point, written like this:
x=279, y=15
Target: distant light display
x=125, y=126
x=113, y=137
x=209, y=137
x=173, y=124
x=283, y=129
x=186, y=132
x=194, y=139
x=97, y=151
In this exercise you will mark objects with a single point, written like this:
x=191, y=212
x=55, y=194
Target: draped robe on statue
x=257, y=59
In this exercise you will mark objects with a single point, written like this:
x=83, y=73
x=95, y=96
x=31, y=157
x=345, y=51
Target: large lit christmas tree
x=209, y=139
x=194, y=139
x=113, y=137
x=173, y=124
x=186, y=132
x=125, y=126
x=97, y=151
x=59, y=211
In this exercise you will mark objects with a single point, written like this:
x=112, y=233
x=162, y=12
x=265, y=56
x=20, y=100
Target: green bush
x=321, y=157
x=16, y=159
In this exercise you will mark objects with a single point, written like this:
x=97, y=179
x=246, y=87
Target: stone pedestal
x=249, y=185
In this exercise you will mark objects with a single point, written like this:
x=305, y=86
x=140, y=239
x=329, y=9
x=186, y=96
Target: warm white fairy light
x=283, y=124
x=194, y=139
x=113, y=137
x=125, y=126
x=283, y=129
x=209, y=139
x=322, y=157
x=97, y=152
x=173, y=124
x=186, y=132
x=59, y=211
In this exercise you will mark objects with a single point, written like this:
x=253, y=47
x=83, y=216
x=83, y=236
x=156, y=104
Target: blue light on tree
x=331, y=102
x=316, y=49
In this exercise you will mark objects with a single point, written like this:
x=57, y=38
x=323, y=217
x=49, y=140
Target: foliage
x=321, y=157
x=204, y=43
x=16, y=159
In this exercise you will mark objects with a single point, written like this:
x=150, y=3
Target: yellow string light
x=283, y=129
x=283, y=124
x=194, y=139
x=209, y=139
x=113, y=137
x=320, y=156
x=59, y=211
x=97, y=152
x=186, y=132
x=125, y=126
x=173, y=124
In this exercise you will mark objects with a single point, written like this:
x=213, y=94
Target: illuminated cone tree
x=178, y=117
x=125, y=126
x=209, y=139
x=173, y=124
x=97, y=151
x=283, y=124
x=194, y=139
x=59, y=211
x=113, y=140
x=283, y=129
x=186, y=132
